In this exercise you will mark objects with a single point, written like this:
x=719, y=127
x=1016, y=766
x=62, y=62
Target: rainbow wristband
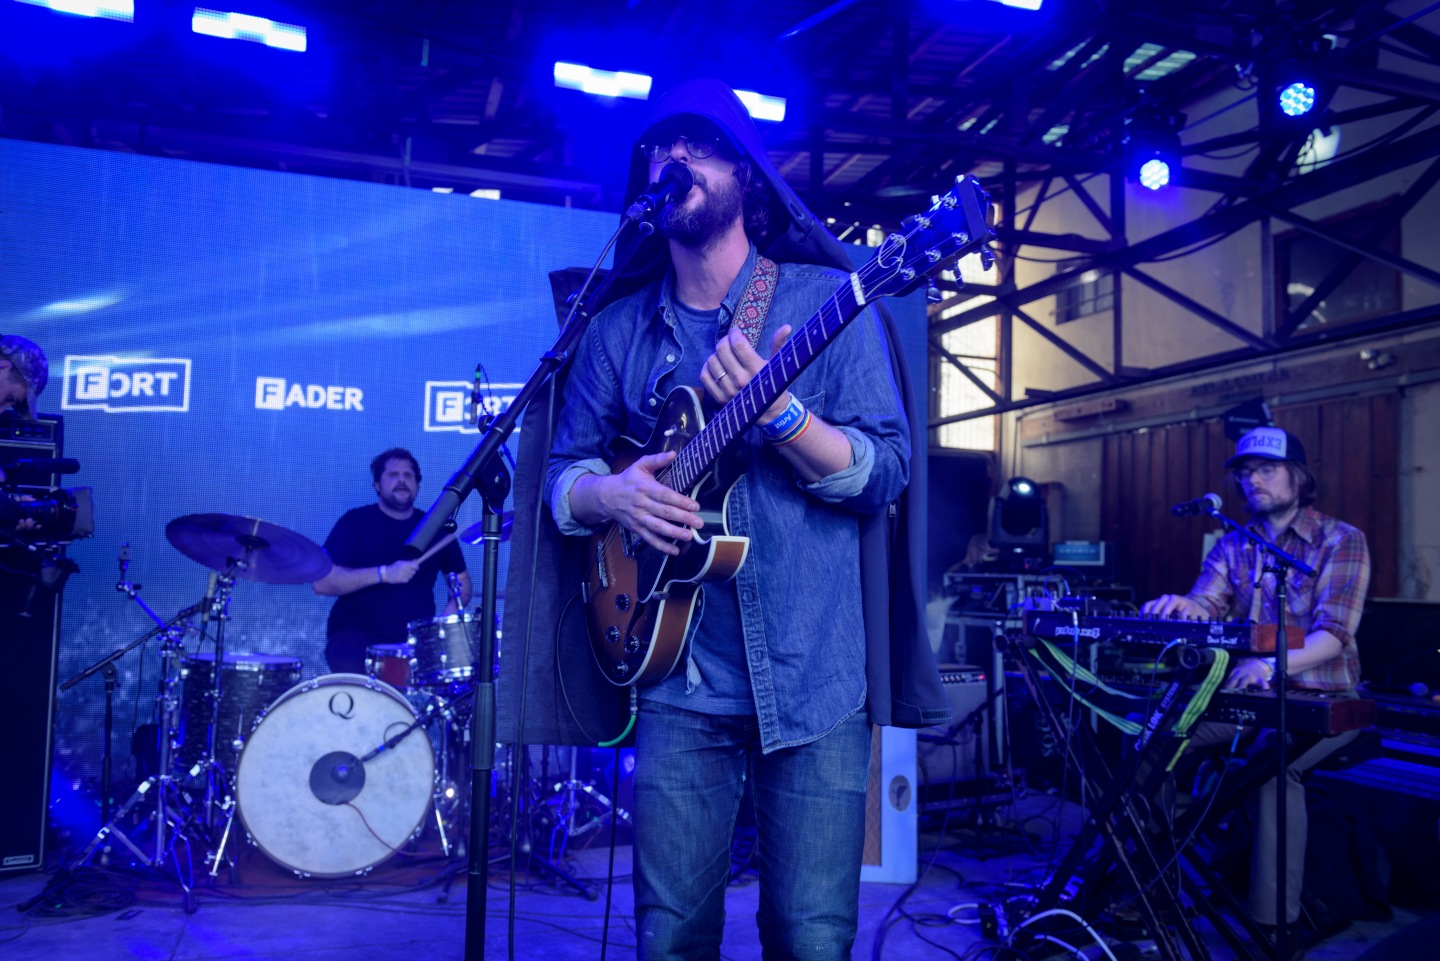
x=795, y=434
x=793, y=414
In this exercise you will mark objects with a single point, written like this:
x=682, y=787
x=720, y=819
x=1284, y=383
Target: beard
x=397, y=500
x=1271, y=505
x=697, y=226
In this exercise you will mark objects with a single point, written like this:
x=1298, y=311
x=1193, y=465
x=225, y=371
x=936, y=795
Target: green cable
x=634, y=709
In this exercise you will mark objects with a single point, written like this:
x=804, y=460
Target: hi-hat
x=257, y=550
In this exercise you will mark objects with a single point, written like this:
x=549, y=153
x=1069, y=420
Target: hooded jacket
x=565, y=700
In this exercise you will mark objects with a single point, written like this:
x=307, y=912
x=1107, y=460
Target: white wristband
x=381, y=569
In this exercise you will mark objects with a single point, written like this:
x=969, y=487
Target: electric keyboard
x=1152, y=633
x=1306, y=712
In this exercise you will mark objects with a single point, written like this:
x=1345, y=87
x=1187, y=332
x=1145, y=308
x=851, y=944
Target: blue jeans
x=810, y=816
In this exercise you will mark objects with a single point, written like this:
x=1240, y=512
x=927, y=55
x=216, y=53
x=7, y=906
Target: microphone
x=674, y=183
x=48, y=465
x=473, y=414
x=1200, y=505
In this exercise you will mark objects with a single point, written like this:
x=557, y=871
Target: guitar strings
x=686, y=469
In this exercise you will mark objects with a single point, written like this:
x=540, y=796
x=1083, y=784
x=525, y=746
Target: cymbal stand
x=171, y=808
x=571, y=801
x=216, y=777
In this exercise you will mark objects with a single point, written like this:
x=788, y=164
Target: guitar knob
x=622, y=602
x=620, y=668
x=612, y=634
x=632, y=644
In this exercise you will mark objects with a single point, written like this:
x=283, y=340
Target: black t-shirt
x=368, y=537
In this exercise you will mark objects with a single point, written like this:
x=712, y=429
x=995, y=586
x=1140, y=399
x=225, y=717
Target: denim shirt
x=799, y=590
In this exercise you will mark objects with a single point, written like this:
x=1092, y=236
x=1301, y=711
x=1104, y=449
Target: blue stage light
x=1154, y=173
x=602, y=83
x=107, y=9
x=762, y=107
x=1022, y=4
x=243, y=26
x=1297, y=99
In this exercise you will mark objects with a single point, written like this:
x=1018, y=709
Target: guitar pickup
x=601, y=571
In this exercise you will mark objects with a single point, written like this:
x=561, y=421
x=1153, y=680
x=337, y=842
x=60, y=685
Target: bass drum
x=305, y=798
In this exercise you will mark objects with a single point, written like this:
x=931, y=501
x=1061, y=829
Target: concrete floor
x=404, y=909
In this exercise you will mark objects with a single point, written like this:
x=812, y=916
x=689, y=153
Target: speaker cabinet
x=28, y=649
x=891, y=827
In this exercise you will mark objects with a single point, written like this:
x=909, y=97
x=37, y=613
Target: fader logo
x=126, y=385
x=448, y=401
x=275, y=393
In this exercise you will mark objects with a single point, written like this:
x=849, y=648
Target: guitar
x=639, y=601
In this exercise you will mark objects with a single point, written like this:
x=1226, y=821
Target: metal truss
x=1271, y=189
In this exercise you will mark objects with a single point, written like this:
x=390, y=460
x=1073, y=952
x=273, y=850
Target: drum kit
x=329, y=776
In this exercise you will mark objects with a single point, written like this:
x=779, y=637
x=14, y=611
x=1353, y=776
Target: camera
x=61, y=514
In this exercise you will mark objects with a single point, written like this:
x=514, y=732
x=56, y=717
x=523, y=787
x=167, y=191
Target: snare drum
x=443, y=649
x=390, y=663
x=249, y=683
x=304, y=796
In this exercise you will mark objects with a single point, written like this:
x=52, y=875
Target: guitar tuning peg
x=987, y=258
x=932, y=293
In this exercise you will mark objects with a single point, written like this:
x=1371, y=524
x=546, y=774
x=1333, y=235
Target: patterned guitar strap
x=755, y=301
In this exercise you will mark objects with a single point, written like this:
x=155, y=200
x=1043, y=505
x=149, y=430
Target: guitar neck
x=698, y=456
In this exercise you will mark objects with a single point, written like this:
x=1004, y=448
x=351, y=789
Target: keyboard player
x=1271, y=475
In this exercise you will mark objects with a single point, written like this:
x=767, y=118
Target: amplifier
x=27, y=711
x=29, y=642
x=31, y=439
x=957, y=751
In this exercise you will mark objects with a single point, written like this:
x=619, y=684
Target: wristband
x=381, y=569
x=789, y=418
x=1269, y=663
x=795, y=434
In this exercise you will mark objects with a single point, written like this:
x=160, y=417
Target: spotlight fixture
x=243, y=26
x=1294, y=71
x=602, y=83
x=1152, y=145
x=1297, y=99
x=105, y=9
x=1154, y=173
x=762, y=106
x=1020, y=525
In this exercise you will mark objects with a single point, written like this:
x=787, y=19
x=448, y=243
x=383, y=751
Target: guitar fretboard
x=697, y=457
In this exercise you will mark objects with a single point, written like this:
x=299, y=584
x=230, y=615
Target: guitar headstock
x=955, y=225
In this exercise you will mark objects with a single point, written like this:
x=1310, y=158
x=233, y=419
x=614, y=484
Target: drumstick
x=438, y=545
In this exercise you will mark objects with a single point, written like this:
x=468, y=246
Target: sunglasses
x=698, y=147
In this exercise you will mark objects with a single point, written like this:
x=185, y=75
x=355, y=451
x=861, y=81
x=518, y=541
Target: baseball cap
x=29, y=362
x=1271, y=443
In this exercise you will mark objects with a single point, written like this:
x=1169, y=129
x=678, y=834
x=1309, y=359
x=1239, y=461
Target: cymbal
x=261, y=551
x=473, y=534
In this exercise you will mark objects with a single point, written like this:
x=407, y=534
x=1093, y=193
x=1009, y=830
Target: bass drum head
x=281, y=810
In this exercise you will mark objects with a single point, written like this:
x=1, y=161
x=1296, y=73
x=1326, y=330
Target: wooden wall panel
x=1352, y=445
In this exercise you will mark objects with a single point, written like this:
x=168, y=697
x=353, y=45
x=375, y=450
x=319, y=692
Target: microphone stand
x=484, y=470
x=1279, y=563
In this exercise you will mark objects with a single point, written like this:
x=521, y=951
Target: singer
x=774, y=687
x=1270, y=472
x=377, y=591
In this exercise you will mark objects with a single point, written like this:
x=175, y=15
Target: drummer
x=377, y=591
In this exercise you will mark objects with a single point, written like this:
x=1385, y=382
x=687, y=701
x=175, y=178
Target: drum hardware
x=527, y=815
x=171, y=805
x=572, y=794
x=236, y=548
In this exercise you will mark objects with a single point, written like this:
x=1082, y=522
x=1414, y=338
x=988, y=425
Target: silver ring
x=723, y=375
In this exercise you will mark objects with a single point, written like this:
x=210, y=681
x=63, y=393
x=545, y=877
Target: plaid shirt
x=1332, y=600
